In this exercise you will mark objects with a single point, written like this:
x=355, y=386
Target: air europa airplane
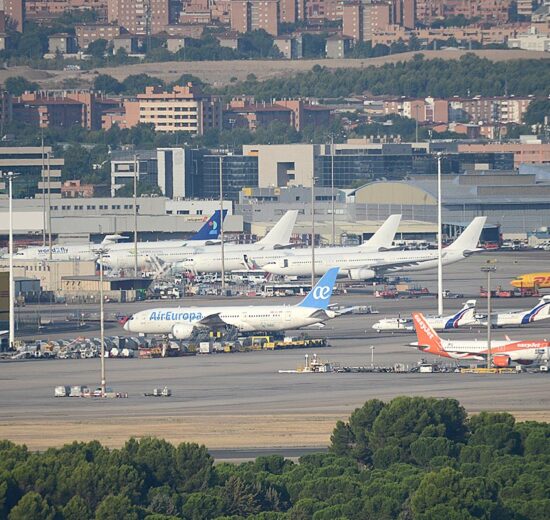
x=182, y=322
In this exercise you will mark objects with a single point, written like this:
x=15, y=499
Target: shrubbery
x=411, y=458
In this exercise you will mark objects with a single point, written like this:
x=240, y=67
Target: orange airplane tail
x=427, y=337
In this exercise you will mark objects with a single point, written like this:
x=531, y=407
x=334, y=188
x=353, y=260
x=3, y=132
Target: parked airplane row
x=207, y=235
x=467, y=316
x=273, y=253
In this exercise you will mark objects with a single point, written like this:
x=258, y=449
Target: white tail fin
x=112, y=239
x=469, y=238
x=280, y=233
x=383, y=238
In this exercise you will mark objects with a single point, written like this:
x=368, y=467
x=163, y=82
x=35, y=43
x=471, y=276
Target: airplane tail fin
x=319, y=296
x=112, y=239
x=469, y=238
x=280, y=233
x=463, y=316
x=211, y=228
x=383, y=238
x=540, y=311
x=427, y=337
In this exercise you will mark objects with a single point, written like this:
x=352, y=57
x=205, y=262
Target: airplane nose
x=124, y=322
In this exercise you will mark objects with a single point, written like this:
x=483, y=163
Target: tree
x=136, y=83
x=239, y=498
x=116, y=507
x=537, y=111
x=193, y=467
x=76, y=509
x=32, y=507
x=107, y=84
x=78, y=163
x=98, y=48
x=17, y=85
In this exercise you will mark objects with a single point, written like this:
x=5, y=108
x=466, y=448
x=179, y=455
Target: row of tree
x=469, y=75
x=409, y=459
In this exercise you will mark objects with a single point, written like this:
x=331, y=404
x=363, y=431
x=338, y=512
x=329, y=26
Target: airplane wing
x=211, y=321
x=340, y=312
x=320, y=314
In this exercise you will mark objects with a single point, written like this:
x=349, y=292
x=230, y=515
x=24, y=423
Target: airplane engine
x=501, y=361
x=182, y=330
x=361, y=274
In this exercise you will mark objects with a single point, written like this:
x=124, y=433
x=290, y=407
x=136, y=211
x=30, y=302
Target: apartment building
x=361, y=21
x=185, y=109
x=88, y=33
x=133, y=15
x=62, y=108
x=250, y=15
x=14, y=10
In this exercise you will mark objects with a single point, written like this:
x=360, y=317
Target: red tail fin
x=427, y=337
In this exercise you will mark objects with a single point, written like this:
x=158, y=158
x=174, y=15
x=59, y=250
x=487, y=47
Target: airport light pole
x=332, y=188
x=43, y=193
x=102, y=321
x=135, y=217
x=489, y=268
x=221, y=223
x=312, y=229
x=439, y=241
x=49, y=207
x=372, y=355
x=11, y=337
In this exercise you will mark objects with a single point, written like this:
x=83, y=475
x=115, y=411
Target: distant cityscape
x=343, y=26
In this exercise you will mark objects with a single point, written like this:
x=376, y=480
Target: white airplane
x=503, y=352
x=207, y=234
x=209, y=260
x=278, y=237
x=182, y=322
x=241, y=257
x=541, y=311
x=360, y=266
x=465, y=316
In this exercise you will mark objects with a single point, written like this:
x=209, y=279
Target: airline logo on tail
x=454, y=322
x=319, y=296
x=428, y=340
x=536, y=312
x=211, y=229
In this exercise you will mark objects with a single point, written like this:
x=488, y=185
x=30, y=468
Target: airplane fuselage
x=244, y=318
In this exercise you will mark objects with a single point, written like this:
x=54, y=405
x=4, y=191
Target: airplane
x=532, y=280
x=360, y=266
x=181, y=260
x=503, y=352
x=121, y=256
x=540, y=311
x=465, y=316
x=182, y=322
x=241, y=257
x=207, y=234
x=208, y=260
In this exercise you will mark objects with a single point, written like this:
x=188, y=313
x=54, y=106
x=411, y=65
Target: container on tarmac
x=75, y=391
x=62, y=391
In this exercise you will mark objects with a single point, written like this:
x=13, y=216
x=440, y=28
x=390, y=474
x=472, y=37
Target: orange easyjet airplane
x=503, y=352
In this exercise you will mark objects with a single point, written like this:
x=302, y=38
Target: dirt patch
x=216, y=432
x=219, y=73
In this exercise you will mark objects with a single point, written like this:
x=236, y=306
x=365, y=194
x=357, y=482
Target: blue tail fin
x=319, y=296
x=211, y=229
